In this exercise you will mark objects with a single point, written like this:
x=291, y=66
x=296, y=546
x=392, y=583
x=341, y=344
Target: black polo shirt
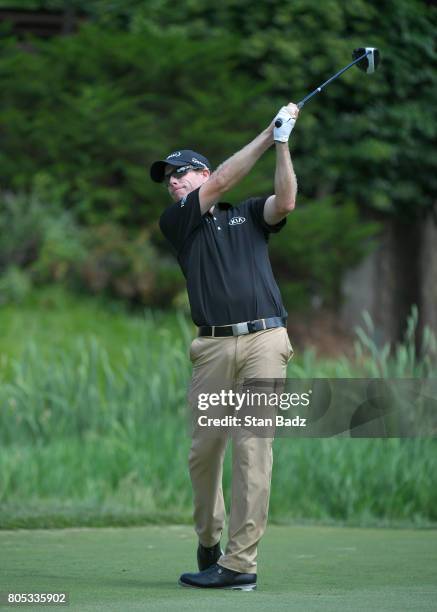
x=224, y=258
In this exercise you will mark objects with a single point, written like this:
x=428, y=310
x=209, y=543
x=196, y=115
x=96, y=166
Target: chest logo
x=237, y=220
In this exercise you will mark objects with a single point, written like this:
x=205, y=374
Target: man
x=237, y=306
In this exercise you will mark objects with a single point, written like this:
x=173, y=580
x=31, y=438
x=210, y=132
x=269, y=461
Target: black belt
x=238, y=329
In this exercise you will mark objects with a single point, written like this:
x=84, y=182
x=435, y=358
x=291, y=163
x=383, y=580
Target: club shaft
x=335, y=76
x=318, y=89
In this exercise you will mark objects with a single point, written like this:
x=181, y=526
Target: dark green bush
x=15, y=285
x=319, y=243
x=40, y=245
x=38, y=236
x=123, y=263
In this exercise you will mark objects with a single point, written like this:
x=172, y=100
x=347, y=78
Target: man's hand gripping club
x=288, y=115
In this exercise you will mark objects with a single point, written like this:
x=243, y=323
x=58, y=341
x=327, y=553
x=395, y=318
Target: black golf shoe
x=218, y=577
x=208, y=556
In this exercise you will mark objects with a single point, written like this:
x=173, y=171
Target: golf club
x=366, y=59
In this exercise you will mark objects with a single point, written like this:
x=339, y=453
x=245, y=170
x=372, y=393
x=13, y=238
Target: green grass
x=106, y=480
x=299, y=568
x=53, y=320
x=92, y=429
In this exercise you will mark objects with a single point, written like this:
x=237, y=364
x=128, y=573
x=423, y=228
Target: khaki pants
x=222, y=363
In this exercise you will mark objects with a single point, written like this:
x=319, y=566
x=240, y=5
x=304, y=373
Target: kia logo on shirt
x=237, y=220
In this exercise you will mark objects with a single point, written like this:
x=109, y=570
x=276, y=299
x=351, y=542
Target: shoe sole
x=242, y=587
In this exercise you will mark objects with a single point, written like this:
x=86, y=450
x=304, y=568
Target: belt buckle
x=239, y=329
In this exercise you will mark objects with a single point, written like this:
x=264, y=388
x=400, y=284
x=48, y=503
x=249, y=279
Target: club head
x=369, y=63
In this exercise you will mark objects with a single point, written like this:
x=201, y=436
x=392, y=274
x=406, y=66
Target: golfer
x=242, y=334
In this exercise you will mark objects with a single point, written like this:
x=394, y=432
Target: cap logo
x=197, y=161
x=237, y=220
x=177, y=154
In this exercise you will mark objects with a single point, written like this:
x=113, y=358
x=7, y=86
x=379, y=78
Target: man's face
x=179, y=184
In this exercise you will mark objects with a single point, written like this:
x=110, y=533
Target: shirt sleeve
x=256, y=207
x=179, y=220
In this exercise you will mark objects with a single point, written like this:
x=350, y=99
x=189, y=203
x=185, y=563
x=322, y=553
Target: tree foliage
x=88, y=113
x=93, y=110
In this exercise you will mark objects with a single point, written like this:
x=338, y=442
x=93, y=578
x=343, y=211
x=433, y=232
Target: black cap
x=181, y=158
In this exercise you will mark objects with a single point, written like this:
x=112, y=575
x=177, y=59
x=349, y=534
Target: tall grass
x=372, y=360
x=93, y=430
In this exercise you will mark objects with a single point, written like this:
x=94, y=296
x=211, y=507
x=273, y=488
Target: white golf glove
x=282, y=134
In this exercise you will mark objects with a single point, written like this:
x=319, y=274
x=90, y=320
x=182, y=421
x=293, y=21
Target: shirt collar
x=222, y=206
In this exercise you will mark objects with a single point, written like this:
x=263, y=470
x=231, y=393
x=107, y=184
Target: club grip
x=279, y=122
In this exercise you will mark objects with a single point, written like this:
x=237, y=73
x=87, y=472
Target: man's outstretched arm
x=231, y=171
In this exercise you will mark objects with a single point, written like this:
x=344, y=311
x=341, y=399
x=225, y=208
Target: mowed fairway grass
x=301, y=568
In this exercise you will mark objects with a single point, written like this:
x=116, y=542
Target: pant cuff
x=236, y=567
